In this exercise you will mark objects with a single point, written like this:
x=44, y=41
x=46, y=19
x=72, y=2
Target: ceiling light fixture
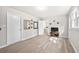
x=41, y=8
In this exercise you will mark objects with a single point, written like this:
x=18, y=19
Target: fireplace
x=54, y=32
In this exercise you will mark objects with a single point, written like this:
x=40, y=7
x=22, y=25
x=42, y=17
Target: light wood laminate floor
x=40, y=44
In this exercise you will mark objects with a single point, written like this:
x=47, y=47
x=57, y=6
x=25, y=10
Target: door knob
x=0, y=29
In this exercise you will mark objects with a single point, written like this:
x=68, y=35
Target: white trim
x=3, y=46
x=29, y=37
x=8, y=44
x=64, y=36
x=17, y=41
x=12, y=43
x=73, y=46
x=25, y=38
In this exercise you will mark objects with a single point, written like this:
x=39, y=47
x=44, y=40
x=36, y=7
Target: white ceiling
x=49, y=12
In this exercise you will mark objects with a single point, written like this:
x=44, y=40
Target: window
x=75, y=18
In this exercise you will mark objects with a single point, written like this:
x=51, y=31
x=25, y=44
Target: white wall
x=73, y=33
x=63, y=25
x=3, y=23
x=26, y=34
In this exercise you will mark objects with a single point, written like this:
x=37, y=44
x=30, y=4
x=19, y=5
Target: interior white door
x=13, y=28
x=41, y=27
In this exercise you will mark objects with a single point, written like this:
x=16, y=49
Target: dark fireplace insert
x=54, y=31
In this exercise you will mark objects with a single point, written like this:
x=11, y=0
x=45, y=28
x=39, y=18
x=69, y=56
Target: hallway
x=40, y=44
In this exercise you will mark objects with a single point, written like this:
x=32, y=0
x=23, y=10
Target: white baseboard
x=7, y=45
x=73, y=46
x=63, y=36
x=17, y=41
x=28, y=37
x=3, y=46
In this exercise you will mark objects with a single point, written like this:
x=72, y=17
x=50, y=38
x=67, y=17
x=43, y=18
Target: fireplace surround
x=54, y=32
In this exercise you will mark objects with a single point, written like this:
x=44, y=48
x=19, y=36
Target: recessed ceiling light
x=41, y=8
